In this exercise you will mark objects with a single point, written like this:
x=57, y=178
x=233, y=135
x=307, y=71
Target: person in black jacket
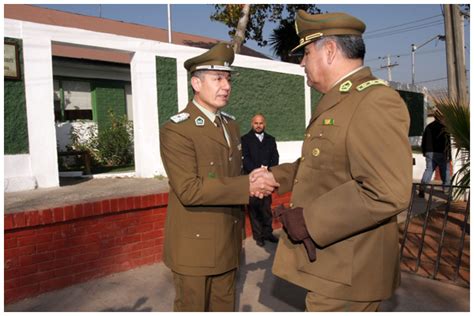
x=259, y=149
x=436, y=147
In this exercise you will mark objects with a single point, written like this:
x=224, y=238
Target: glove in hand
x=294, y=224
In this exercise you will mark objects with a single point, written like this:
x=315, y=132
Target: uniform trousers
x=207, y=293
x=319, y=303
x=260, y=214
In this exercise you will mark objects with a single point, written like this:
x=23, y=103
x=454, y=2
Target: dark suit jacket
x=256, y=153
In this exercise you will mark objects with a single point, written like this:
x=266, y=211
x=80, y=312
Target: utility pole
x=414, y=48
x=389, y=66
x=169, y=23
x=455, y=63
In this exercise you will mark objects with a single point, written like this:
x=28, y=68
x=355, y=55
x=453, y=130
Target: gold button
x=197, y=235
x=305, y=134
x=291, y=204
x=316, y=152
x=212, y=163
x=308, y=135
x=230, y=158
x=236, y=221
x=302, y=158
x=296, y=180
x=321, y=134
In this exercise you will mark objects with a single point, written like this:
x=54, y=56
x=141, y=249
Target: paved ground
x=150, y=288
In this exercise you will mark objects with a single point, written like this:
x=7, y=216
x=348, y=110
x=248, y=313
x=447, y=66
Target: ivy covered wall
x=14, y=113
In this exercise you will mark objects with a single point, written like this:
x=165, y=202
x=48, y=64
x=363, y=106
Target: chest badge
x=328, y=121
x=316, y=152
x=199, y=121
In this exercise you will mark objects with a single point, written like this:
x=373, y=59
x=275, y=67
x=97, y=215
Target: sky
x=391, y=29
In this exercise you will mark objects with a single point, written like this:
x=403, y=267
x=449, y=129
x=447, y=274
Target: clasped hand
x=262, y=182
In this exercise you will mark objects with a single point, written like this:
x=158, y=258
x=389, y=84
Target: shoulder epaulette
x=180, y=117
x=369, y=83
x=228, y=115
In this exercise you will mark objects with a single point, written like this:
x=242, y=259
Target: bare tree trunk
x=241, y=27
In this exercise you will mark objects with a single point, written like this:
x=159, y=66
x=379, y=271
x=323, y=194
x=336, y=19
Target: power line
x=408, y=54
x=432, y=80
x=408, y=29
x=404, y=24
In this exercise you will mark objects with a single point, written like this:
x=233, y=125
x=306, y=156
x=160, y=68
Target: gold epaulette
x=369, y=83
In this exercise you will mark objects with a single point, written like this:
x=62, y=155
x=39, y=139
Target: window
x=72, y=100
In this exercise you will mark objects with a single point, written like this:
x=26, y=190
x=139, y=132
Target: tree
x=230, y=14
x=283, y=39
x=241, y=27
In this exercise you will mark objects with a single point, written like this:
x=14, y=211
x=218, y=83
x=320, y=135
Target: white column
x=182, y=78
x=145, y=115
x=38, y=70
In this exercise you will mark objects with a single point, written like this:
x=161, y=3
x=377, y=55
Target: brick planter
x=50, y=249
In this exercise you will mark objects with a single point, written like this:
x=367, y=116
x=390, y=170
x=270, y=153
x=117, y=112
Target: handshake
x=262, y=182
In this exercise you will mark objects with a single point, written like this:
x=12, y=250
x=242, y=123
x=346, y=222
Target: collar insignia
x=345, y=86
x=199, y=121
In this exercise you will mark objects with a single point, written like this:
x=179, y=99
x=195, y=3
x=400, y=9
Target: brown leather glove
x=294, y=224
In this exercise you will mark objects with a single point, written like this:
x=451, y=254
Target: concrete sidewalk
x=150, y=288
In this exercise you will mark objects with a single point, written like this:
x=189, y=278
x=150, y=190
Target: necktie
x=219, y=124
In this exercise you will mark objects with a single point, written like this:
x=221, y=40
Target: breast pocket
x=320, y=147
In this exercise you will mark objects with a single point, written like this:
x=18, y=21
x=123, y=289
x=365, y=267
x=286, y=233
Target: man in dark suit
x=259, y=149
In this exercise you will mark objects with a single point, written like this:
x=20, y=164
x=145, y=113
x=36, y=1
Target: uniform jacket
x=257, y=153
x=352, y=179
x=204, y=221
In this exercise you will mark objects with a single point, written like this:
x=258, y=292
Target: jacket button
x=296, y=180
x=236, y=221
x=230, y=158
x=291, y=204
x=302, y=158
x=308, y=135
x=197, y=235
x=316, y=152
x=212, y=163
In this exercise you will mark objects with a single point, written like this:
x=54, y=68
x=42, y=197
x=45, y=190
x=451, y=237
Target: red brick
x=85, y=276
x=58, y=214
x=10, y=243
x=19, y=293
x=68, y=252
x=46, y=216
x=19, y=220
x=79, y=211
x=143, y=261
x=20, y=272
x=22, y=232
x=8, y=221
x=128, y=239
x=96, y=208
x=137, y=202
x=69, y=213
x=114, y=205
x=105, y=206
x=130, y=204
x=122, y=204
x=32, y=218
x=59, y=263
x=153, y=234
x=35, y=259
x=165, y=198
x=56, y=283
x=31, y=240
x=51, y=246
x=23, y=251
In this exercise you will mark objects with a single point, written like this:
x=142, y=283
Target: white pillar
x=38, y=71
x=182, y=78
x=145, y=115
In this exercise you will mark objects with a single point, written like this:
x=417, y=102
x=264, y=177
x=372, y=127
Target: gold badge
x=345, y=86
x=328, y=121
x=316, y=152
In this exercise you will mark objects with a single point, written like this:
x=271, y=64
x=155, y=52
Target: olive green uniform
x=204, y=221
x=352, y=179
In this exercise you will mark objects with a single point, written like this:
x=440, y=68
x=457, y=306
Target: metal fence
x=435, y=235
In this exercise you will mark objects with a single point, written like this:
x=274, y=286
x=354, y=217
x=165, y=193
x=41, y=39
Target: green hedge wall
x=166, y=81
x=415, y=104
x=107, y=95
x=14, y=114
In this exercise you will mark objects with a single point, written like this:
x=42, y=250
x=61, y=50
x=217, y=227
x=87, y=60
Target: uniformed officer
x=201, y=153
x=353, y=177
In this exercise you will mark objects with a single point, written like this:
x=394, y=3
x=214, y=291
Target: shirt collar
x=210, y=115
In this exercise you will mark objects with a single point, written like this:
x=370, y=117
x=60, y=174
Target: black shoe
x=271, y=238
x=421, y=194
x=260, y=242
